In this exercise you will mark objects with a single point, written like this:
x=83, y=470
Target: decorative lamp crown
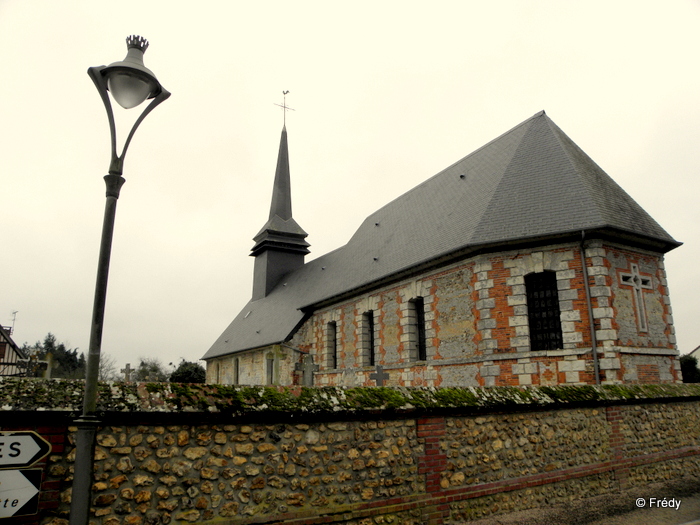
x=129, y=80
x=137, y=41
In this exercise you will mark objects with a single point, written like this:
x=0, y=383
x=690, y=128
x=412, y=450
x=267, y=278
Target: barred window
x=543, y=311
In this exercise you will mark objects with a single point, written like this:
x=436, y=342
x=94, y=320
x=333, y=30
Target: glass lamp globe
x=129, y=81
x=128, y=90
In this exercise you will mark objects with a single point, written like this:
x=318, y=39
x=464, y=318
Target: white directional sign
x=19, y=492
x=22, y=449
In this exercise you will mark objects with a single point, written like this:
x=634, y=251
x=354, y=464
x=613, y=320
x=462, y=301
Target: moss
x=321, y=400
x=376, y=397
x=454, y=397
x=155, y=388
x=20, y=394
x=572, y=394
x=227, y=398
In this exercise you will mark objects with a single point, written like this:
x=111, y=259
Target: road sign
x=19, y=492
x=22, y=449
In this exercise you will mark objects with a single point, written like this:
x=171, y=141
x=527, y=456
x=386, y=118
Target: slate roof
x=530, y=184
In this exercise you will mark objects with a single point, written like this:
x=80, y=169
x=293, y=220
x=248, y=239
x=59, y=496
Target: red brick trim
x=617, y=442
x=430, y=431
x=433, y=462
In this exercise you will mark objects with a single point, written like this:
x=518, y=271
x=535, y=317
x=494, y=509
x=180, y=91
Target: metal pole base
x=82, y=475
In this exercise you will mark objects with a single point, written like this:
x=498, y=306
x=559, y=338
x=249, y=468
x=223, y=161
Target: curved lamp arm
x=116, y=164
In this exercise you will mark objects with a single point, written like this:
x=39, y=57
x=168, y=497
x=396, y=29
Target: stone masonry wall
x=209, y=454
x=477, y=326
x=252, y=367
x=196, y=473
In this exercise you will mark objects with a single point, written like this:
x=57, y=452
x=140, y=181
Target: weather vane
x=284, y=107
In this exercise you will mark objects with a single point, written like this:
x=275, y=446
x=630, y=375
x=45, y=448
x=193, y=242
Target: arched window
x=543, y=311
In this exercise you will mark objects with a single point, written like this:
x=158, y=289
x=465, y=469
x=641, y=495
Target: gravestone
x=127, y=372
x=307, y=369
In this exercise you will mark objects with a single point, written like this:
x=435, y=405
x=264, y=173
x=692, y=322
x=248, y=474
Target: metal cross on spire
x=284, y=107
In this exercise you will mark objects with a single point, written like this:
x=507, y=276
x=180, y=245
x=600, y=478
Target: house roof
x=531, y=184
x=5, y=335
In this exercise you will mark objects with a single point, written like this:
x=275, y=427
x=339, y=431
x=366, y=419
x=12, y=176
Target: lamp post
x=130, y=83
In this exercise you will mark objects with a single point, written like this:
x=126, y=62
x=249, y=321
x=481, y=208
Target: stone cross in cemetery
x=127, y=372
x=638, y=283
x=307, y=369
x=33, y=366
x=379, y=376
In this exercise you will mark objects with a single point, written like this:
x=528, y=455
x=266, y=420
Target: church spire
x=279, y=246
x=282, y=190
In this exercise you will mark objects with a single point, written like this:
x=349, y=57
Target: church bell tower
x=279, y=246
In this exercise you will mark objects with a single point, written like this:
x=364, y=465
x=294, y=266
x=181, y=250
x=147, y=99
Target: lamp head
x=129, y=80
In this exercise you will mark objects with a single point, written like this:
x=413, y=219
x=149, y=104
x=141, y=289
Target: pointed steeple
x=282, y=191
x=279, y=246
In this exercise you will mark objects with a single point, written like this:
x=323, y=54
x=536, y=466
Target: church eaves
x=532, y=185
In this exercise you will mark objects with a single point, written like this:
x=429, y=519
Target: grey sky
x=386, y=94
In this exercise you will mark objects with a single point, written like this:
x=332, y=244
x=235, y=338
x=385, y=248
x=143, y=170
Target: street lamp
x=130, y=83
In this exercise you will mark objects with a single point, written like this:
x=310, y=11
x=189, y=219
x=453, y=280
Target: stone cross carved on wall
x=379, y=376
x=638, y=282
x=307, y=369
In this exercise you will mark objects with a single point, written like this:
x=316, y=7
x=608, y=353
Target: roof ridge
x=511, y=130
x=570, y=150
x=557, y=132
x=429, y=179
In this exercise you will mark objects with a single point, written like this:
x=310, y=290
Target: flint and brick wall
x=208, y=454
x=477, y=326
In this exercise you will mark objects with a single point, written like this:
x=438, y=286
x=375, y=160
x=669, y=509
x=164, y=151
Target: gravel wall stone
x=197, y=454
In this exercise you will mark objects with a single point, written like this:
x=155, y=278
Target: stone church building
x=524, y=263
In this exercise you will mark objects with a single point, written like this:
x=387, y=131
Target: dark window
x=368, y=337
x=236, y=365
x=416, y=310
x=543, y=311
x=332, y=344
x=270, y=370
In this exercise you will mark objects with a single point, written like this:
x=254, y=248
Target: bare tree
x=108, y=368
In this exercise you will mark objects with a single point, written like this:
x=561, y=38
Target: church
x=524, y=263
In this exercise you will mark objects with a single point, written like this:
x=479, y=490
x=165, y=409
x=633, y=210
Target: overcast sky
x=386, y=94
